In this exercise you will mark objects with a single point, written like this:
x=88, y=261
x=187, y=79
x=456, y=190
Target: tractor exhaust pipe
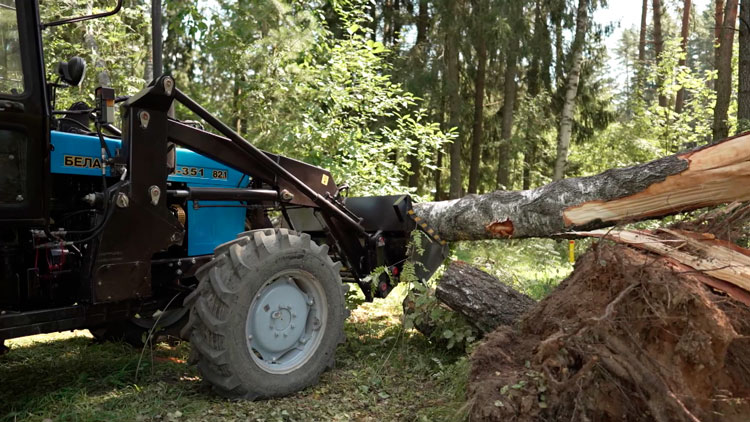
x=156, y=38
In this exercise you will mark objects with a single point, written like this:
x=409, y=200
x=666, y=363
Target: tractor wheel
x=135, y=331
x=267, y=315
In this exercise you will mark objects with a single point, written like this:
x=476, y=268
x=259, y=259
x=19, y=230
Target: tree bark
x=571, y=91
x=719, y=23
x=707, y=176
x=438, y=174
x=510, y=89
x=644, y=30
x=420, y=52
x=724, y=67
x=684, y=33
x=659, y=46
x=485, y=301
x=557, y=19
x=743, y=97
x=476, y=137
x=454, y=99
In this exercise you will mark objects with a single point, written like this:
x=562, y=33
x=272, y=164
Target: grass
x=383, y=373
x=532, y=266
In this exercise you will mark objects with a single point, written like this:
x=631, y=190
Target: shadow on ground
x=382, y=374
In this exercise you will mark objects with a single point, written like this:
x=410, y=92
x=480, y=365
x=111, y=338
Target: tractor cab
x=24, y=116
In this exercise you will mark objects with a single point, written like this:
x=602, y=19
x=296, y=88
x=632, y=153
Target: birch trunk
x=571, y=91
x=703, y=177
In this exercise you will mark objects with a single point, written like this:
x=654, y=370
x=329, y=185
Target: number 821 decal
x=201, y=172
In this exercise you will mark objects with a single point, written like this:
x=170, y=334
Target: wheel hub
x=281, y=321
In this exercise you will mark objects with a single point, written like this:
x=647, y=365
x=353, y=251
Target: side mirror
x=72, y=71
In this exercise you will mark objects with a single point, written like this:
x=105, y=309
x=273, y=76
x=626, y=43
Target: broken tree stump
x=485, y=301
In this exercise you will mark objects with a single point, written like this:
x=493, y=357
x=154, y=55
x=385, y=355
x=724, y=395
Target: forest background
x=438, y=97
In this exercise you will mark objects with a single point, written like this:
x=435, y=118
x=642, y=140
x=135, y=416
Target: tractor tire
x=267, y=315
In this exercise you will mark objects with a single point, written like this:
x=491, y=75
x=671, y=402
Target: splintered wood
x=701, y=252
x=715, y=175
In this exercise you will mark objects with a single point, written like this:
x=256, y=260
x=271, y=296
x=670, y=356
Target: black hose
x=67, y=119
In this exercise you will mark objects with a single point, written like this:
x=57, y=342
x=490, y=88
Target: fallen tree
x=707, y=176
x=481, y=298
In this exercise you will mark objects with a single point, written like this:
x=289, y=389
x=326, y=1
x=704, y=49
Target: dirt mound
x=627, y=337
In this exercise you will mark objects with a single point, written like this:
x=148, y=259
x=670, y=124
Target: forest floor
x=382, y=373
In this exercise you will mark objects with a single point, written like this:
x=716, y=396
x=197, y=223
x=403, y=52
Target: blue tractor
x=160, y=226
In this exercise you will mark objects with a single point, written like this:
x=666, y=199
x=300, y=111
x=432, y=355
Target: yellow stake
x=572, y=251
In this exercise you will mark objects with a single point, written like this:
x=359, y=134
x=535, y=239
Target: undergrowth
x=383, y=373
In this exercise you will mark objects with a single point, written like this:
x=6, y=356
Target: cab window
x=11, y=73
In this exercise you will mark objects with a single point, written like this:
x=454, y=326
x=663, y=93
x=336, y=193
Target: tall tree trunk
x=419, y=51
x=743, y=97
x=557, y=19
x=680, y=100
x=659, y=46
x=719, y=23
x=454, y=98
x=571, y=91
x=644, y=30
x=534, y=77
x=724, y=66
x=397, y=23
x=476, y=137
x=510, y=91
x=388, y=22
x=438, y=174
x=374, y=20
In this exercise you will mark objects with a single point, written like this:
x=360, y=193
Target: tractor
x=138, y=224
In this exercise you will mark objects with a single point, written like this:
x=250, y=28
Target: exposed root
x=629, y=336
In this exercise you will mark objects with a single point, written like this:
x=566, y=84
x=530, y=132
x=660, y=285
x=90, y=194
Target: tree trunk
x=510, y=90
x=724, y=66
x=485, y=301
x=476, y=137
x=719, y=23
x=438, y=174
x=374, y=21
x=708, y=176
x=644, y=30
x=419, y=51
x=743, y=97
x=388, y=22
x=659, y=47
x=680, y=100
x=571, y=91
x=454, y=99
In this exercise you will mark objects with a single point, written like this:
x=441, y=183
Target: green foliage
x=532, y=266
x=449, y=329
x=286, y=82
x=648, y=130
x=674, y=131
x=116, y=49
